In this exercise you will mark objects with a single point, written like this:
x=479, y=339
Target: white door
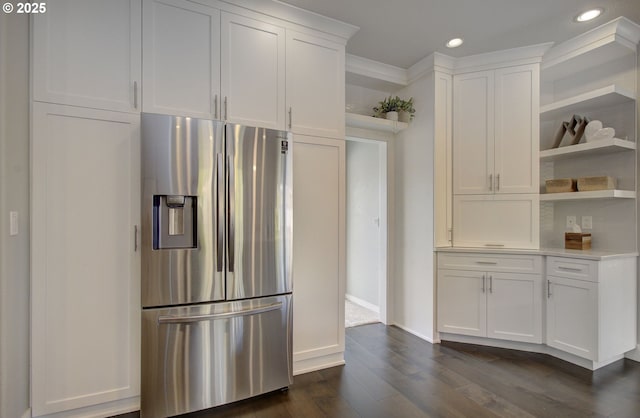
x=181, y=59
x=315, y=86
x=473, y=133
x=571, y=316
x=514, y=307
x=462, y=302
x=87, y=53
x=366, y=253
x=517, y=129
x=85, y=200
x=253, y=78
x=489, y=221
x=319, y=252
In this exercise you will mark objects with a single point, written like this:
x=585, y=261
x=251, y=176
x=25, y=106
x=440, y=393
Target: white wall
x=363, y=207
x=14, y=196
x=362, y=100
x=414, y=165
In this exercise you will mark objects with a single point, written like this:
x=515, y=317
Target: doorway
x=366, y=292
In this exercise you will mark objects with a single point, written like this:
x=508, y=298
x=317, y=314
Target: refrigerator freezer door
x=202, y=356
x=259, y=207
x=182, y=165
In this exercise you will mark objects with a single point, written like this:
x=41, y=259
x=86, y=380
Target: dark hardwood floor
x=391, y=373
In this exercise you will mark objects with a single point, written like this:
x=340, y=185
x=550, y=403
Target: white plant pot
x=392, y=115
x=404, y=116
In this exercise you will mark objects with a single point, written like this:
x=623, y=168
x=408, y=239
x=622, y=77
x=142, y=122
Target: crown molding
x=432, y=62
x=515, y=56
x=295, y=17
x=370, y=73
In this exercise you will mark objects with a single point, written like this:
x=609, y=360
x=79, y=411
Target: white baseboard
x=107, y=409
x=633, y=354
x=363, y=303
x=417, y=334
x=318, y=363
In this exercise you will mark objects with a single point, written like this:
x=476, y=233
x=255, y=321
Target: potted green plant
x=407, y=111
x=394, y=108
x=388, y=108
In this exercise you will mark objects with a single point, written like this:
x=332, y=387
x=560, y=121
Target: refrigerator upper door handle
x=220, y=211
x=230, y=214
x=171, y=319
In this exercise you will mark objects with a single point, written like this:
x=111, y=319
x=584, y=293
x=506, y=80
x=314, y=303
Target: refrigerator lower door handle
x=171, y=319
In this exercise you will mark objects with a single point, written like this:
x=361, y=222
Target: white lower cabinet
x=488, y=300
x=319, y=248
x=502, y=221
x=591, y=307
x=85, y=289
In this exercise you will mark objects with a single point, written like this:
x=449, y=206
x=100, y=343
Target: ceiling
x=402, y=32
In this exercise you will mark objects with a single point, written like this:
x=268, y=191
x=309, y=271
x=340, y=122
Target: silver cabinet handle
x=450, y=234
x=494, y=245
x=135, y=94
x=215, y=106
x=570, y=269
x=491, y=263
x=135, y=238
x=490, y=284
x=290, y=117
x=491, y=182
x=225, y=107
x=548, y=289
x=230, y=214
x=497, y=182
x=219, y=173
x=483, y=279
x=175, y=319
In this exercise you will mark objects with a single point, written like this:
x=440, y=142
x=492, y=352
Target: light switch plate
x=571, y=221
x=587, y=222
x=13, y=223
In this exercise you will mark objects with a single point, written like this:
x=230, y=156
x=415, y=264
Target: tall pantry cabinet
x=495, y=157
x=95, y=66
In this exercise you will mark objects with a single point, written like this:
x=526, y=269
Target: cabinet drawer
x=572, y=268
x=492, y=262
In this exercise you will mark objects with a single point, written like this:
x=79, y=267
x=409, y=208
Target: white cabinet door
x=87, y=53
x=516, y=167
x=462, y=302
x=443, y=160
x=572, y=316
x=253, y=72
x=514, y=307
x=319, y=256
x=473, y=133
x=509, y=221
x=181, y=58
x=315, y=86
x=85, y=334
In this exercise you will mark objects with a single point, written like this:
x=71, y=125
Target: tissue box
x=577, y=241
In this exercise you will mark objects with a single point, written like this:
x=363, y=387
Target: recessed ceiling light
x=589, y=15
x=454, y=43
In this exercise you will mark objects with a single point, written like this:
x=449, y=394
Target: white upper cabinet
x=516, y=148
x=253, y=72
x=87, y=53
x=315, y=86
x=473, y=138
x=496, y=131
x=181, y=57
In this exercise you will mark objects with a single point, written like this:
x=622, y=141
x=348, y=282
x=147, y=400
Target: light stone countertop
x=555, y=252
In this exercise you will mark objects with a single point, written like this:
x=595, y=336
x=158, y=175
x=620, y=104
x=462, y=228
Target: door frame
x=383, y=263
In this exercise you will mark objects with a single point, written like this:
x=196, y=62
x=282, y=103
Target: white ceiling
x=401, y=32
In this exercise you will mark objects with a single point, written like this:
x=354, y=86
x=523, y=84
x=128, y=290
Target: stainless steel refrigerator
x=216, y=242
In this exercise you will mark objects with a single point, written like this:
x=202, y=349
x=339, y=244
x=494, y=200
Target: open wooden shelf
x=594, y=99
x=605, y=146
x=377, y=124
x=598, y=194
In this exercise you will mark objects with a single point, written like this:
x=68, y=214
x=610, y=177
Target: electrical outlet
x=587, y=222
x=571, y=221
